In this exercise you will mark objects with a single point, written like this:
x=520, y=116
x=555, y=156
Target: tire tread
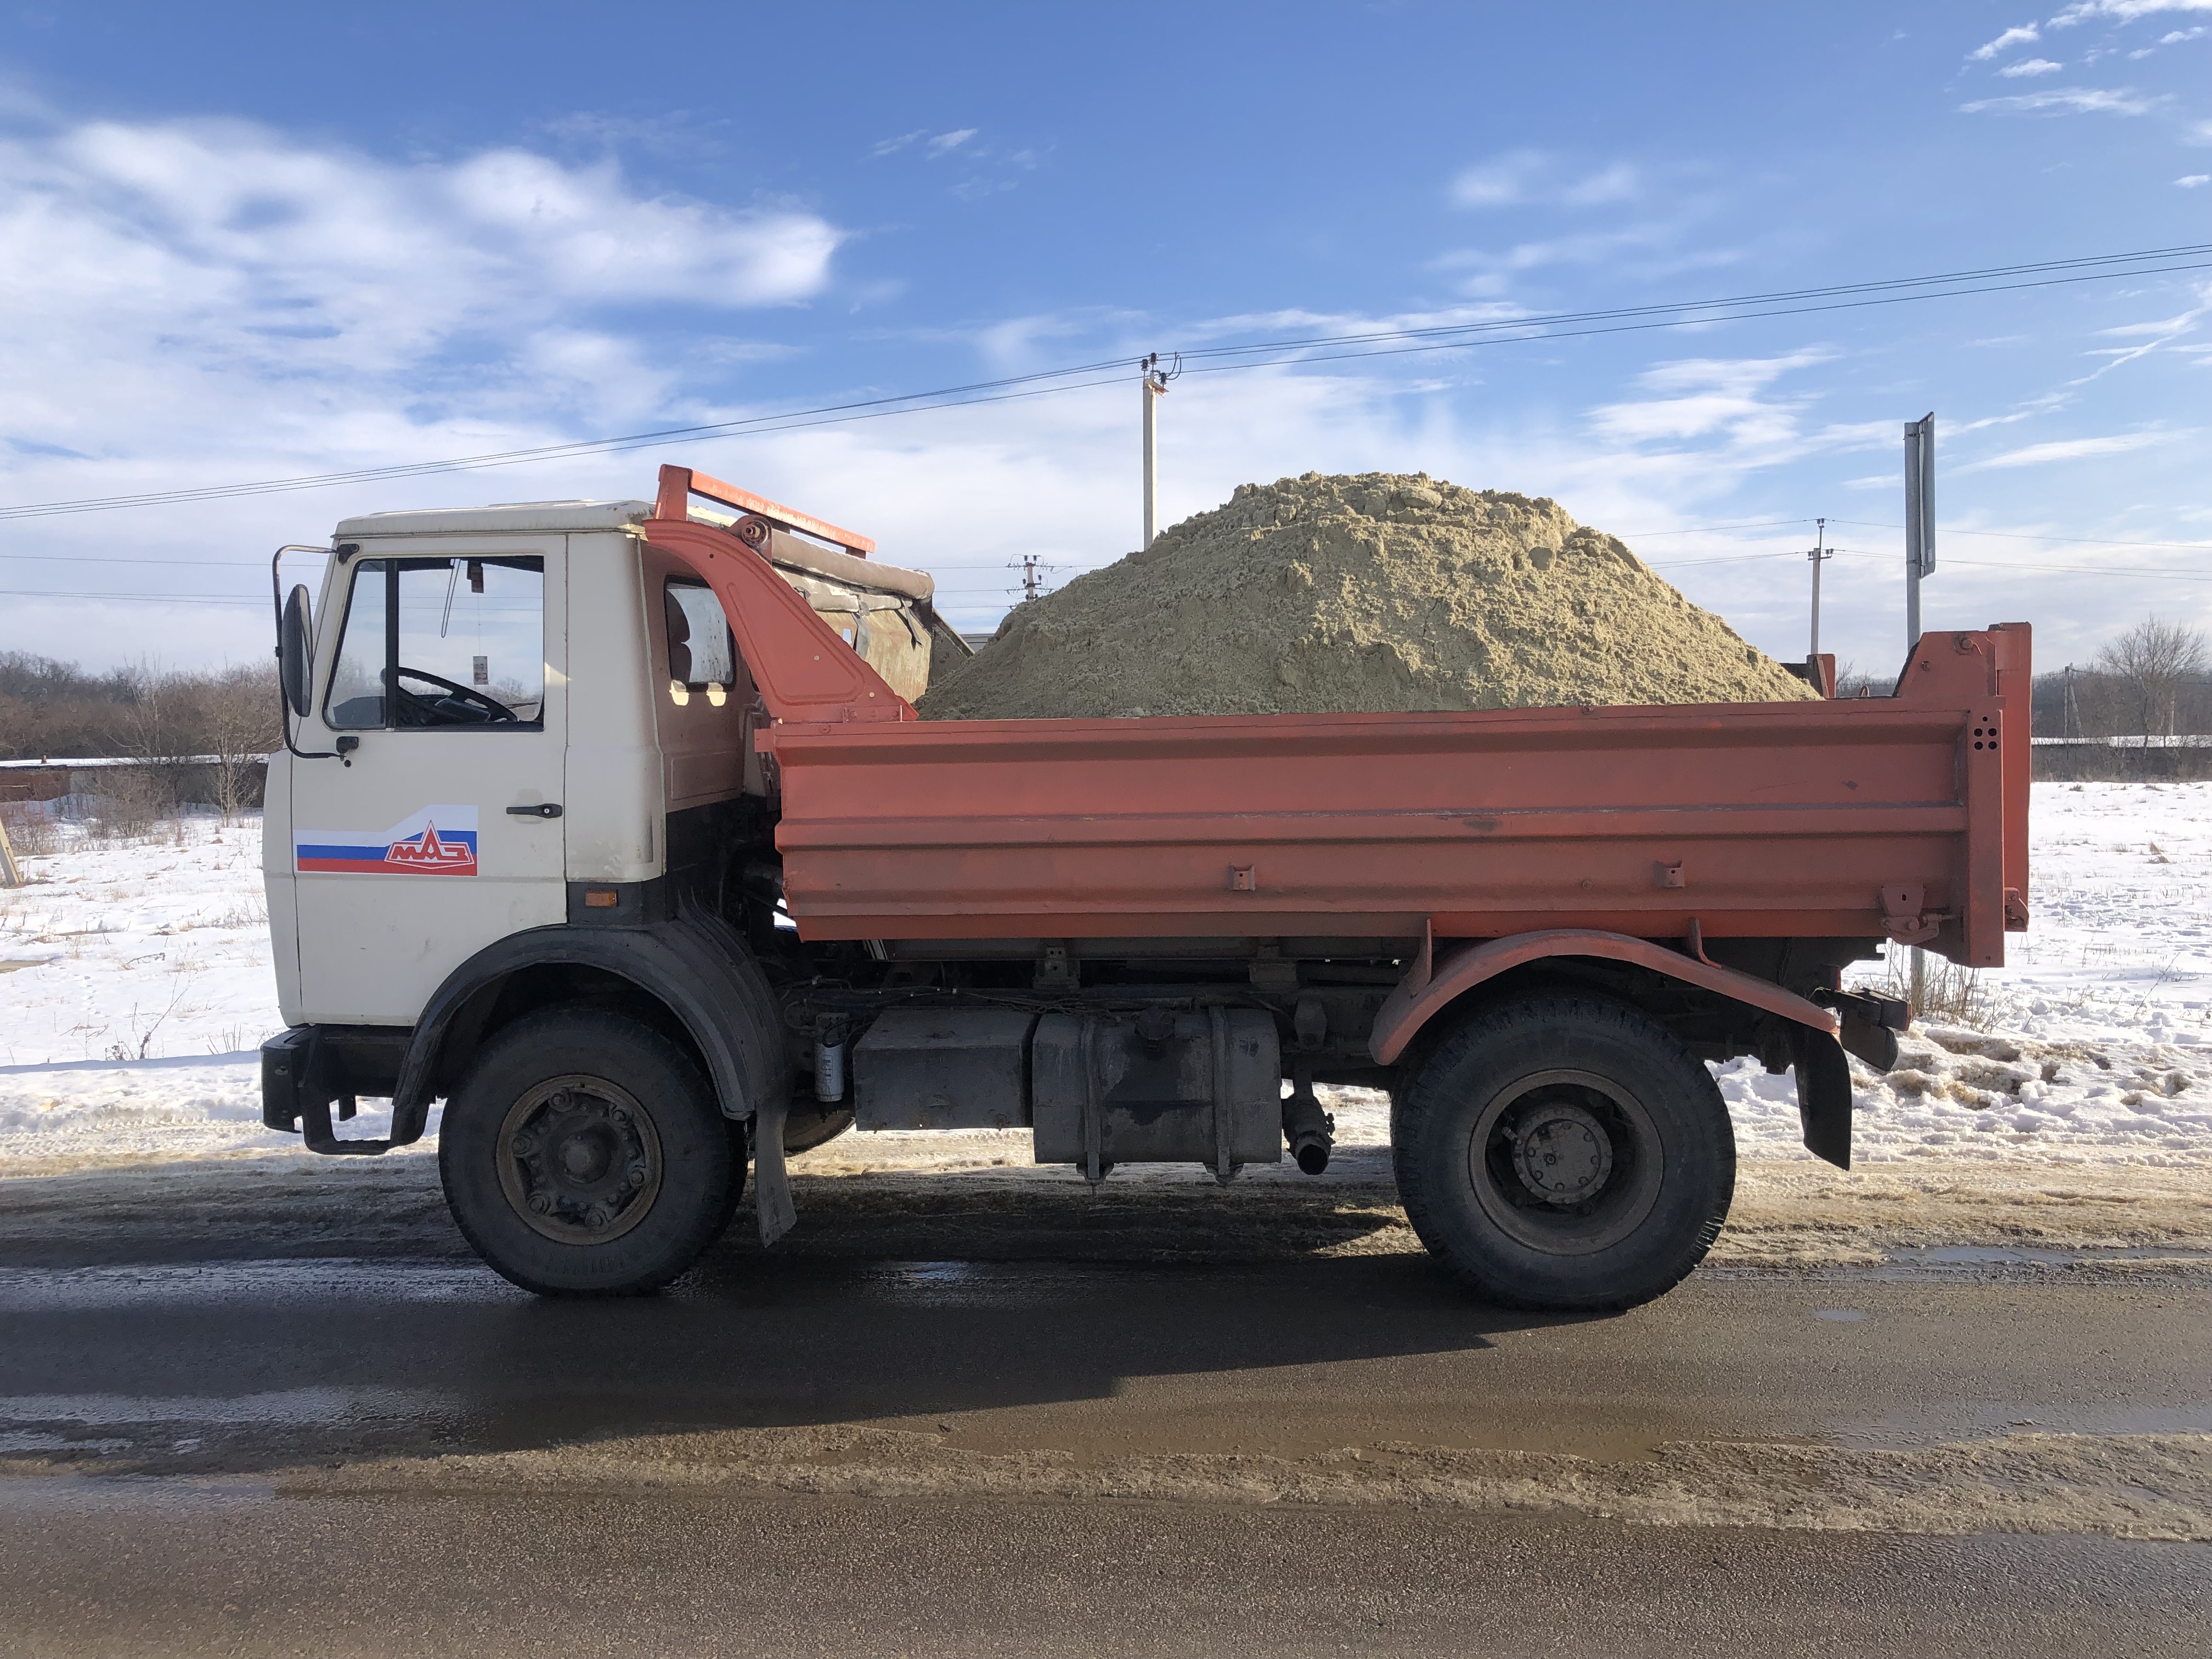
x=1418, y=1105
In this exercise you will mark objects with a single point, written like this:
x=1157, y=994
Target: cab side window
x=702, y=656
x=443, y=642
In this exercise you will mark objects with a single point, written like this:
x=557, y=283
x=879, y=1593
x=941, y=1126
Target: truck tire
x=1565, y=1153
x=583, y=1155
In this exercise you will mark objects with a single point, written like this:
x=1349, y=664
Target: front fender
x=695, y=966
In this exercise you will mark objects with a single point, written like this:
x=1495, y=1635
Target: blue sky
x=248, y=242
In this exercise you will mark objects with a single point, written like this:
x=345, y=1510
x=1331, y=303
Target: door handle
x=551, y=809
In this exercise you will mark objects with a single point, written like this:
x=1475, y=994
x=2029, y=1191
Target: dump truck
x=611, y=825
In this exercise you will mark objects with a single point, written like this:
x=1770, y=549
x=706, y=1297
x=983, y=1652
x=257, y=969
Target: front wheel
x=1564, y=1153
x=584, y=1155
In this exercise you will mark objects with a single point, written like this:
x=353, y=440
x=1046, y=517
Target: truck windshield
x=441, y=642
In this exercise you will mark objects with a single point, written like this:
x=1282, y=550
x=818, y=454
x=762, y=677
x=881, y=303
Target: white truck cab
x=465, y=802
x=469, y=828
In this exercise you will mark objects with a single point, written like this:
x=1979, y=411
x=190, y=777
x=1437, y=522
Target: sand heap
x=1372, y=594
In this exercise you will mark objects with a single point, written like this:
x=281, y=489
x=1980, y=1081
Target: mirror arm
x=283, y=702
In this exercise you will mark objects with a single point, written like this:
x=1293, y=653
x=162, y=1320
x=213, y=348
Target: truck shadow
x=766, y=1343
x=893, y=1300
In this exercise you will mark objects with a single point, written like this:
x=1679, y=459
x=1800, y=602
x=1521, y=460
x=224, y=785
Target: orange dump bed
x=1903, y=817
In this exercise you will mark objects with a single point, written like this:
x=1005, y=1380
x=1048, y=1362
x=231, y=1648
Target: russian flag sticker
x=438, y=841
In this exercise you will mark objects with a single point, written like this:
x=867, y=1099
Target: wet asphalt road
x=173, y=1403
x=99, y=1568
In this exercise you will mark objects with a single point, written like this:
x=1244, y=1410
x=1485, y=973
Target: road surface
x=283, y=1427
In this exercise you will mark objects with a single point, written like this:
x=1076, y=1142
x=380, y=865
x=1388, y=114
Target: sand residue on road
x=2145, y=1486
x=1375, y=594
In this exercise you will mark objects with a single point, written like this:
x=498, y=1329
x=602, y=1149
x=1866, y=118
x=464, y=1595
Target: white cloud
x=2068, y=449
x=322, y=238
x=1499, y=182
x=1528, y=175
x=945, y=142
x=2164, y=326
x=2024, y=35
x=198, y=303
x=2156, y=335
x=1642, y=250
x=1618, y=183
x=892, y=146
x=1705, y=397
x=2178, y=35
x=2028, y=66
x=2192, y=181
x=2122, y=11
x=2067, y=100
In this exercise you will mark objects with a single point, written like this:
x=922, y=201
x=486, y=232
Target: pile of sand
x=1373, y=593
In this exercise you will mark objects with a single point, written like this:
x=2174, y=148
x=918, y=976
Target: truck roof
x=512, y=516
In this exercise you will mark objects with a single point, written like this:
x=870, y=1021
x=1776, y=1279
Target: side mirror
x=296, y=661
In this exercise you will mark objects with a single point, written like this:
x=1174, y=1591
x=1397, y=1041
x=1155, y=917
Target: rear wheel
x=1564, y=1153
x=583, y=1155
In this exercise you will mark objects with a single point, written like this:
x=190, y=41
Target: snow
x=2094, y=1043
x=135, y=985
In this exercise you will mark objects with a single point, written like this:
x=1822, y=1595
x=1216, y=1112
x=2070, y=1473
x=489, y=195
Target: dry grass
x=1950, y=994
x=31, y=833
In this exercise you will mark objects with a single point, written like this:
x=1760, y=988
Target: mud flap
x=1824, y=1096
x=771, y=1186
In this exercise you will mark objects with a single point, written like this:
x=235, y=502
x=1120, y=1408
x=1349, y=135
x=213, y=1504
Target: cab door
x=439, y=829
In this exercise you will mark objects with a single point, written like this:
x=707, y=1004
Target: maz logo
x=428, y=855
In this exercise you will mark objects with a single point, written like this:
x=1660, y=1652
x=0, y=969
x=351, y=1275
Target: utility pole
x=1155, y=387
x=1919, y=560
x=1034, y=572
x=1820, y=555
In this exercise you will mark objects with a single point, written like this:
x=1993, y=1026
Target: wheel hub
x=1562, y=1153
x=582, y=1161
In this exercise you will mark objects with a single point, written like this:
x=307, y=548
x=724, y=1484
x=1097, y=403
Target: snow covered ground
x=134, y=986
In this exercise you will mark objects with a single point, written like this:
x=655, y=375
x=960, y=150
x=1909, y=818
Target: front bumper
x=307, y=1070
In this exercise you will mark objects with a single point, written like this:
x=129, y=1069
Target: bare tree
x=2152, y=661
x=147, y=723
x=230, y=719
x=1852, y=681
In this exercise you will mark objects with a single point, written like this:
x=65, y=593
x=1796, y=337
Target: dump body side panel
x=1746, y=820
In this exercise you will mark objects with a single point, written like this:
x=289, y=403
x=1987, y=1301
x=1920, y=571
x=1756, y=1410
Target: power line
x=2025, y=536
x=1698, y=529
x=2056, y=570
x=765, y=424
x=1447, y=336
x=2184, y=251
x=112, y=558
x=1676, y=322
x=1977, y=564
x=132, y=598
